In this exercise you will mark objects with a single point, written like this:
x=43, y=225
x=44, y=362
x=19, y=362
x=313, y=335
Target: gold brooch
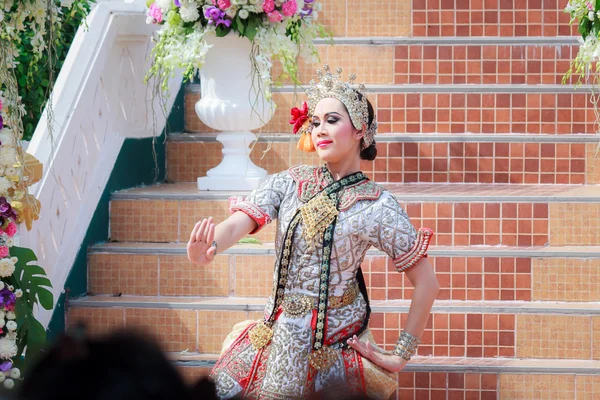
x=322, y=359
x=317, y=215
x=260, y=335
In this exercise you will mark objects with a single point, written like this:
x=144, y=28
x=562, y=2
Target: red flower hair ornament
x=300, y=121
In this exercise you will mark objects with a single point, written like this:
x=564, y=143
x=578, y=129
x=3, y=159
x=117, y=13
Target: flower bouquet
x=22, y=285
x=586, y=14
x=277, y=29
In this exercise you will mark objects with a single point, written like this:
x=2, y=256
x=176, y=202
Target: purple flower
x=177, y=3
x=6, y=210
x=216, y=17
x=1, y=122
x=308, y=8
x=5, y=366
x=7, y=298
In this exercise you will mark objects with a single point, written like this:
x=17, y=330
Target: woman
x=314, y=332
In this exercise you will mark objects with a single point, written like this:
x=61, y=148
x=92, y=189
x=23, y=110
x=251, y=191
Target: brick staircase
x=478, y=141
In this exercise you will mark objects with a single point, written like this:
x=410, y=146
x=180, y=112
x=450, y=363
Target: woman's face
x=333, y=134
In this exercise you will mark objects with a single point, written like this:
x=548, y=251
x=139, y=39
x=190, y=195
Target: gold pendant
x=317, y=215
x=322, y=359
x=260, y=335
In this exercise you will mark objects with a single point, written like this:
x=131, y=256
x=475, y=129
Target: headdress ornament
x=331, y=85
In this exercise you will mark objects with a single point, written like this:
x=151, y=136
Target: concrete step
x=407, y=158
x=446, y=61
x=452, y=108
x=470, y=378
x=496, y=18
x=457, y=329
x=460, y=214
x=464, y=273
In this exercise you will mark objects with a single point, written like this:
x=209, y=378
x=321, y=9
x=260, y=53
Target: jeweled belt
x=297, y=305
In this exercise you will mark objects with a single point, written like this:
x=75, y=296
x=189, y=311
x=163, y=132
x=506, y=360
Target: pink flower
x=275, y=16
x=11, y=229
x=289, y=8
x=3, y=251
x=0, y=104
x=156, y=13
x=224, y=4
x=268, y=6
x=590, y=6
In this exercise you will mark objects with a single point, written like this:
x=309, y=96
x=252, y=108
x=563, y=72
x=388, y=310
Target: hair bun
x=369, y=153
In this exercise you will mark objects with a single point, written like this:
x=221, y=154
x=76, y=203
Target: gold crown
x=332, y=86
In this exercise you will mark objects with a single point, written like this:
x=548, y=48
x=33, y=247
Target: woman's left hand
x=387, y=361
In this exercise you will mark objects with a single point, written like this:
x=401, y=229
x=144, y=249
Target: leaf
x=252, y=27
x=36, y=339
x=46, y=298
x=222, y=31
x=32, y=279
x=249, y=240
x=240, y=25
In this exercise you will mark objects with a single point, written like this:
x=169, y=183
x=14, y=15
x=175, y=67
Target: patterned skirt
x=281, y=369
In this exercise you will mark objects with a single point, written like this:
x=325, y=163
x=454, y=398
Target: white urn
x=231, y=103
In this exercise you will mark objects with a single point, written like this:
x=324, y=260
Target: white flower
x=11, y=287
x=243, y=14
x=253, y=2
x=591, y=15
x=9, y=384
x=239, y=2
x=189, y=14
x=15, y=373
x=164, y=5
x=11, y=315
x=2, y=315
x=2, y=376
x=7, y=138
x=231, y=11
x=14, y=260
x=9, y=242
x=1, y=287
x=7, y=267
x=5, y=185
x=8, y=348
x=18, y=293
x=66, y=3
x=2, y=323
x=11, y=326
x=11, y=336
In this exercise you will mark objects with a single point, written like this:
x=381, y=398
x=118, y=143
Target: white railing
x=99, y=100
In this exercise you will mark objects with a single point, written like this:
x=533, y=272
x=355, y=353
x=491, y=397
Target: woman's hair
x=367, y=153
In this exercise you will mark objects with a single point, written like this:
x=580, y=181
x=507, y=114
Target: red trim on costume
x=257, y=374
x=354, y=373
x=418, y=251
x=253, y=211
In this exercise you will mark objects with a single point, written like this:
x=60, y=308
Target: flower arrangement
x=278, y=29
x=23, y=285
x=586, y=14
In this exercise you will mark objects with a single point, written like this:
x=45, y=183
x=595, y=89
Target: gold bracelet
x=406, y=346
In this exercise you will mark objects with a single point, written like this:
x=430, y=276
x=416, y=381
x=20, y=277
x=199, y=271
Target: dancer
x=314, y=334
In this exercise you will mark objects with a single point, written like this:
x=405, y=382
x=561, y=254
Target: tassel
x=305, y=143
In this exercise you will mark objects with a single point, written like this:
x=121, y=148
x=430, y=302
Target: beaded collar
x=311, y=180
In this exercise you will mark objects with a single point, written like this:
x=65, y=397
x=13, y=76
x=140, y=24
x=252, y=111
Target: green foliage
x=36, y=73
x=32, y=280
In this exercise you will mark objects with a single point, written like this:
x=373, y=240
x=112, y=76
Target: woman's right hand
x=199, y=248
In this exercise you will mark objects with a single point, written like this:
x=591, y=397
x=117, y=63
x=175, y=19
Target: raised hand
x=199, y=248
x=389, y=362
